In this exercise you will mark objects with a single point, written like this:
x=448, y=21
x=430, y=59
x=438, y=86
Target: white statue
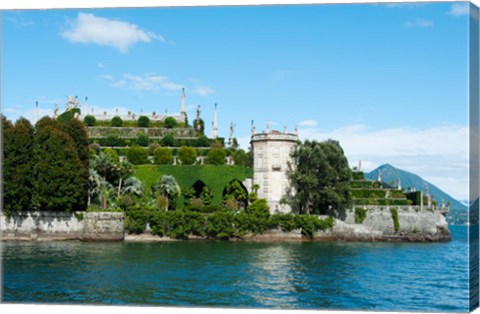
x=72, y=102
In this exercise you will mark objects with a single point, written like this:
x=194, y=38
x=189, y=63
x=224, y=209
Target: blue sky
x=388, y=81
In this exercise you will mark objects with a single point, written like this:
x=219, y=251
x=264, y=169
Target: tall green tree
x=319, y=179
x=58, y=171
x=77, y=132
x=17, y=165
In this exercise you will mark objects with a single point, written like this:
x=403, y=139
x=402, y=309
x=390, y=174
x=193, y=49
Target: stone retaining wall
x=62, y=226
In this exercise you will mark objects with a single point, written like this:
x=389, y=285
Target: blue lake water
x=351, y=276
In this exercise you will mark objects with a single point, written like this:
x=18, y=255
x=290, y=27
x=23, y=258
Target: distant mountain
x=390, y=174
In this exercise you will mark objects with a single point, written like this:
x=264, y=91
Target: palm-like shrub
x=168, y=187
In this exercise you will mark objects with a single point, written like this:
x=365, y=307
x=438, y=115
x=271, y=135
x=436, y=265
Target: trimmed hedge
x=137, y=155
x=215, y=177
x=364, y=193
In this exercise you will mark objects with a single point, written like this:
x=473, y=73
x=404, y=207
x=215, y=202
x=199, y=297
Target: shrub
x=161, y=202
x=203, y=141
x=196, y=203
x=89, y=120
x=358, y=175
x=125, y=201
x=187, y=155
x=216, y=156
x=137, y=155
x=112, y=140
x=162, y=156
x=396, y=194
x=117, y=121
x=111, y=154
x=168, y=140
x=170, y=123
x=143, y=122
x=396, y=223
x=360, y=215
x=142, y=139
x=152, y=148
x=258, y=208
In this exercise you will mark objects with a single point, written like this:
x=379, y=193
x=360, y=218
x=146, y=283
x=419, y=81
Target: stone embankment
x=45, y=226
x=379, y=224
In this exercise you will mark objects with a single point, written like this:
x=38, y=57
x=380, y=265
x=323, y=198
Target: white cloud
x=88, y=28
x=202, y=90
x=150, y=82
x=20, y=21
x=419, y=23
x=459, y=9
x=308, y=123
x=439, y=152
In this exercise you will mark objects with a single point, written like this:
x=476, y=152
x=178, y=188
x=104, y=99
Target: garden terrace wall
x=34, y=225
x=129, y=132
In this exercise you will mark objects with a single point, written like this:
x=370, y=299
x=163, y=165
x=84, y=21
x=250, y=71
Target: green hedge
x=220, y=225
x=215, y=177
x=365, y=193
x=360, y=215
x=396, y=223
x=397, y=194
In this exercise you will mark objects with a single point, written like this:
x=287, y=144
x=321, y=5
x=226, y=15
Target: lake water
x=353, y=276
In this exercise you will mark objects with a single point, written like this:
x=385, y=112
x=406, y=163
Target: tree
x=123, y=169
x=187, y=155
x=240, y=157
x=137, y=155
x=203, y=141
x=216, y=156
x=76, y=130
x=142, y=139
x=117, y=121
x=133, y=185
x=17, y=165
x=143, y=122
x=162, y=156
x=319, y=179
x=168, y=187
x=58, y=173
x=89, y=120
x=168, y=140
x=170, y=122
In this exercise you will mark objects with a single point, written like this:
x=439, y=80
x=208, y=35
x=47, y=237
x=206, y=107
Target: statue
x=55, y=111
x=232, y=129
x=253, y=128
x=379, y=175
x=72, y=102
x=198, y=112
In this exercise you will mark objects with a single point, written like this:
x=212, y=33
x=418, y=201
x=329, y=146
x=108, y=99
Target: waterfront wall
x=83, y=226
x=414, y=224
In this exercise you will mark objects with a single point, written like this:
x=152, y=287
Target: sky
x=388, y=81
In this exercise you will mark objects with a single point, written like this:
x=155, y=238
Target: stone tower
x=271, y=153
